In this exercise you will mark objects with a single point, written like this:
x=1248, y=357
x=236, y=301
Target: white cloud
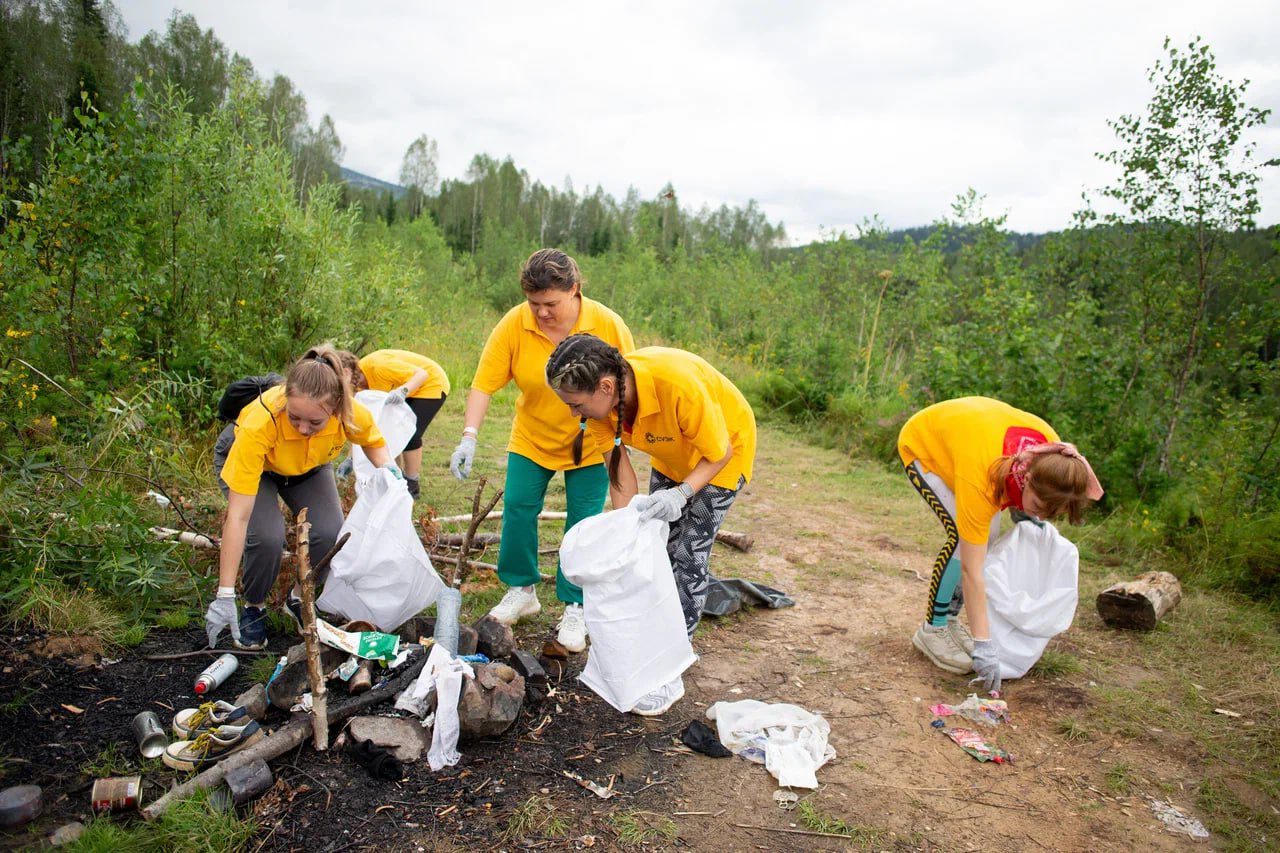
x=825, y=112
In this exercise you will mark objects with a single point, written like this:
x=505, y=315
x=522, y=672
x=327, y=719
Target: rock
x=555, y=669
x=467, y=640
x=535, y=677
x=249, y=781
x=23, y=803
x=418, y=626
x=493, y=638
x=254, y=701
x=66, y=833
x=293, y=680
x=406, y=738
x=552, y=649
x=491, y=702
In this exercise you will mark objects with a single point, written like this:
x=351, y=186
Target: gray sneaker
x=940, y=646
x=961, y=633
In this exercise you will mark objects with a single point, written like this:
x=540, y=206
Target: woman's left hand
x=986, y=663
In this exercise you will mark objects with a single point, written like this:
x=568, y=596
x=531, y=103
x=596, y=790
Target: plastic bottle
x=216, y=673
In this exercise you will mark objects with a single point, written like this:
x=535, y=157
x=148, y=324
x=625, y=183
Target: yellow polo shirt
x=544, y=428
x=959, y=440
x=388, y=369
x=687, y=411
x=266, y=441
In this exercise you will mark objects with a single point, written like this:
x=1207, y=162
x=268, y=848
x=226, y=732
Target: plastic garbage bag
x=700, y=737
x=1031, y=575
x=630, y=603
x=728, y=595
x=788, y=740
x=396, y=423
x=382, y=575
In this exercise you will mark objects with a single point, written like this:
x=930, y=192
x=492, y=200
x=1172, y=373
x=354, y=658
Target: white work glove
x=986, y=663
x=463, y=455
x=666, y=505
x=394, y=469
x=222, y=614
x=398, y=395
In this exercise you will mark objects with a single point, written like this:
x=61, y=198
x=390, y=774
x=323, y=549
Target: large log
x=1140, y=603
x=288, y=737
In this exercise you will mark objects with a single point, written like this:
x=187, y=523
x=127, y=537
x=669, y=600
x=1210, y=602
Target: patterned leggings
x=945, y=595
x=689, y=543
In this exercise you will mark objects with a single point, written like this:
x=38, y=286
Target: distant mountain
x=365, y=182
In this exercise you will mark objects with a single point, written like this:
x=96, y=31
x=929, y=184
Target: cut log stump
x=1141, y=603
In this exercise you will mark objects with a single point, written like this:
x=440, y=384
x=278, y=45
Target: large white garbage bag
x=396, y=423
x=382, y=575
x=632, y=609
x=1031, y=573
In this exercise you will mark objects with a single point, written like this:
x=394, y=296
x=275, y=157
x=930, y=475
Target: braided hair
x=577, y=365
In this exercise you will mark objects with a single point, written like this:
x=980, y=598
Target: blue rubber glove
x=394, y=469
x=665, y=504
x=986, y=663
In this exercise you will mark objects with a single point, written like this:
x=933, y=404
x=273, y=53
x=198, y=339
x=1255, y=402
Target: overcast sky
x=827, y=113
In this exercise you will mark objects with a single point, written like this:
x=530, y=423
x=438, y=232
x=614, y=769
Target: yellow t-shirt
x=544, y=428
x=959, y=440
x=266, y=441
x=388, y=369
x=687, y=411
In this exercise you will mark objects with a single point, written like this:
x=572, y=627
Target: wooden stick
x=794, y=831
x=186, y=537
x=319, y=697
x=200, y=652
x=477, y=516
x=739, y=541
x=288, y=737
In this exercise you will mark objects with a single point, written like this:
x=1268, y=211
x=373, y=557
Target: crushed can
x=116, y=794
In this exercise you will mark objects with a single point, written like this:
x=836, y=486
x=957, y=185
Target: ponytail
x=319, y=375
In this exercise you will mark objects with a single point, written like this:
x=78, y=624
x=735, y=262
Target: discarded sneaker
x=378, y=760
x=210, y=747
x=940, y=646
x=293, y=606
x=573, y=628
x=660, y=700
x=189, y=722
x=520, y=601
x=253, y=628
x=961, y=634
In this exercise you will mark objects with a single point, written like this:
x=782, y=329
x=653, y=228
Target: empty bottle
x=216, y=673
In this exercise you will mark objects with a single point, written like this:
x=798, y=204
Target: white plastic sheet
x=442, y=674
x=382, y=575
x=631, y=606
x=1031, y=573
x=396, y=423
x=788, y=740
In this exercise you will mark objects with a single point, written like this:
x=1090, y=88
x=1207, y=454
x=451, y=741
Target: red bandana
x=1016, y=440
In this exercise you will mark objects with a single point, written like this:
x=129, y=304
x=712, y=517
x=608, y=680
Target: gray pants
x=316, y=490
x=690, y=540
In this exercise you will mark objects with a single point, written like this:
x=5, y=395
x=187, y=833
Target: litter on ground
x=977, y=746
x=988, y=712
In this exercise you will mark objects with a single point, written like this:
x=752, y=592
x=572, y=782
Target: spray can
x=216, y=673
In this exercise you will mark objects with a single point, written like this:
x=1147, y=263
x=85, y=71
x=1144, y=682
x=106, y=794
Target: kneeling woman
x=282, y=445
x=969, y=459
x=699, y=432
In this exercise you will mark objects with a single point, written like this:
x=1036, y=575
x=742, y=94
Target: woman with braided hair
x=699, y=432
x=969, y=459
x=543, y=432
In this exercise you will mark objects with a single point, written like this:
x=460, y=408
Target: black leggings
x=425, y=412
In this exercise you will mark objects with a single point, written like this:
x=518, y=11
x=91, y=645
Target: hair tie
x=582, y=425
x=617, y=440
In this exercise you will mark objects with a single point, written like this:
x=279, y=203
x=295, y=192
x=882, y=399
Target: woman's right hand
x=222, y=614
x=463, y=455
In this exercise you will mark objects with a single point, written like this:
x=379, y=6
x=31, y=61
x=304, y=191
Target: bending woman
x=283, y=445
x=699, y=432
x=969, y=459
x=542, y=434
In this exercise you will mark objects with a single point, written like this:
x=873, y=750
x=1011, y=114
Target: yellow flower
x=16, y=333
x=240, y=302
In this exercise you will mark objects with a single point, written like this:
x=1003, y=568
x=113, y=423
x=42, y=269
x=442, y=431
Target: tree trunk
x=1140, y=603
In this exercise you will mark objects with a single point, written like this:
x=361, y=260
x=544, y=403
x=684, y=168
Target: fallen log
x=454, y=540
x=1140, y=603
x=291, y=735
x=186, y=537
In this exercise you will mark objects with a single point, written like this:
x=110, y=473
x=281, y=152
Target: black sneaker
x=414, y=488
x=253, y=628
x=293, y=606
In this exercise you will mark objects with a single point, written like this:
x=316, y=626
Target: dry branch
x=319, y=695
x=477, y=516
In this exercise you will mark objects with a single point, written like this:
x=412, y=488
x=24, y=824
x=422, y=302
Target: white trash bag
x=788, y=740
x=396, y=423
x=631, y=606
x=382, y=575
x=1031, y=573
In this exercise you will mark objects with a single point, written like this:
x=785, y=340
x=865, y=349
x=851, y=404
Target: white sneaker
x=520, y=601
x=657, y=702
x=961, y=634
x=940, y=646
x=573, y=628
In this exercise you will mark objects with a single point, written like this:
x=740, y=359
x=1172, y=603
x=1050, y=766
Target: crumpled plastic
x=788, y=740
x=977, y=746
x=700, y=737
x=988, y=712
x=728, y=595
x=442, y=673
x=1175, y=821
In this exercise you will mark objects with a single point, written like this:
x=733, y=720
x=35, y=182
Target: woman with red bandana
x=969, y=459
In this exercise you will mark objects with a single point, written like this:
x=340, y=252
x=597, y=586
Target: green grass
x=1054, y=663
x=111, y=761
x=639, y=827
x=1073, y=731
x=259, y=668
x=1119, y=779
x=133, y=636
x=54, y=608
x=536, y=816
x=818, y=820
x=174, y=620
x=190, y=824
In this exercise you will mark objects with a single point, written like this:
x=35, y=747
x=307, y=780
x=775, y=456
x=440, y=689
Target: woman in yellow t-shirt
x=408, y=378
x=543, y=433
x=699, y=432
x=970, y=458
x=282, y=445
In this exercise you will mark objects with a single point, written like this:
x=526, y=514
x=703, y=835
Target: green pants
x=522, y=499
